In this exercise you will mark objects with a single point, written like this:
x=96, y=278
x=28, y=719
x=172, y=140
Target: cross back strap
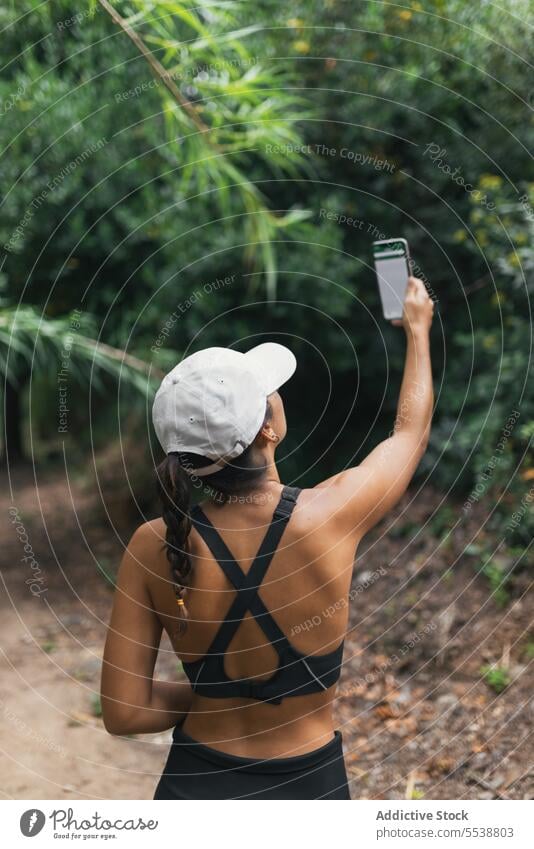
x=247, y=584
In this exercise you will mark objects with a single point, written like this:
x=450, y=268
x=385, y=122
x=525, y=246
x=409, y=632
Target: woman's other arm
x=132, y=702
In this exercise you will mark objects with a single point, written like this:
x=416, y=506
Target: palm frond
x=33, y=342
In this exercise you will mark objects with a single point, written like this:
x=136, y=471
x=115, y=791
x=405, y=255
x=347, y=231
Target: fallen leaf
x=386, y=711
x=80, y=716
x=441, y=765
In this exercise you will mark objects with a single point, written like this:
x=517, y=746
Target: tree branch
x=157, y=68
x=121, y=356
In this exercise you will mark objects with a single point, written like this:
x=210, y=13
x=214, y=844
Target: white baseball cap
x=213, y=403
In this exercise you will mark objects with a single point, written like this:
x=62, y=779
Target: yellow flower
x=460, y=236
x=405, y=15
x=301, y=46
x=294, y=23
x=490, y=181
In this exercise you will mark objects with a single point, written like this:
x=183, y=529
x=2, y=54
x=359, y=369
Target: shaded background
x=179, y=175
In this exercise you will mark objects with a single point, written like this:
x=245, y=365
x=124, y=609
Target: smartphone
x=392, y=265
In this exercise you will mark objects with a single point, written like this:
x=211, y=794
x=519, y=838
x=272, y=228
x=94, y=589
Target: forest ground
x=417, y=718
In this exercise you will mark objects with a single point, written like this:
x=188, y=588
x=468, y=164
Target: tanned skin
x=310, y=572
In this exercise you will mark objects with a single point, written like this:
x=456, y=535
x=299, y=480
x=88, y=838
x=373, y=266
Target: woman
x=240, y=581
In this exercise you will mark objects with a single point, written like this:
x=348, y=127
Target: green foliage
x=497, y=578
x=497, y=568
x=495, y=677
x=125, y=197
x=30, y=342
x=443, y=521
x=96, y=705
x=177, y=139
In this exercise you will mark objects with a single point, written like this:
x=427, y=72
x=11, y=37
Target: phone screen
x=392, y=266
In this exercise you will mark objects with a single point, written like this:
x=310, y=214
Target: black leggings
x=195, y=771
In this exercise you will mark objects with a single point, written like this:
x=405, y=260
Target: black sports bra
x=297, y=674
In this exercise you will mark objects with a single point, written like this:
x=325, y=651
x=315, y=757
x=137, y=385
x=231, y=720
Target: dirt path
x=416, y=718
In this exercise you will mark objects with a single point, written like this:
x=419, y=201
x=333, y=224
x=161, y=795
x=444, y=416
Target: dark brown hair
x=175, y=488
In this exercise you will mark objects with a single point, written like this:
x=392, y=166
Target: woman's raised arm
x=361, y=496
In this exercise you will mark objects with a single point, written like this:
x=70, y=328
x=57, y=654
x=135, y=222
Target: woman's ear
x=267, y=435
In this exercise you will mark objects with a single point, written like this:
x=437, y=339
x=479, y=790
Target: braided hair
x=175, y=481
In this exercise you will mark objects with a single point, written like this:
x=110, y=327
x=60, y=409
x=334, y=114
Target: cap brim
x=272, y=364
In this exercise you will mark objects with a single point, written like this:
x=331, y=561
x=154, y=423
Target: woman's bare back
x=305, y=589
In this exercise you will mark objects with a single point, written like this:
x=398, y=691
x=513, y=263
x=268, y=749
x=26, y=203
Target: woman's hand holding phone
x=418, y=309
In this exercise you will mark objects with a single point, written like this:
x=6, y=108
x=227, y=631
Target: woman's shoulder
x=318, y=521
x=148, y=532
x=148, y=541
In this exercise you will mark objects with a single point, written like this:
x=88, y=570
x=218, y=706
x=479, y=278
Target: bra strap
x=217, y=546
x=250, y=582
